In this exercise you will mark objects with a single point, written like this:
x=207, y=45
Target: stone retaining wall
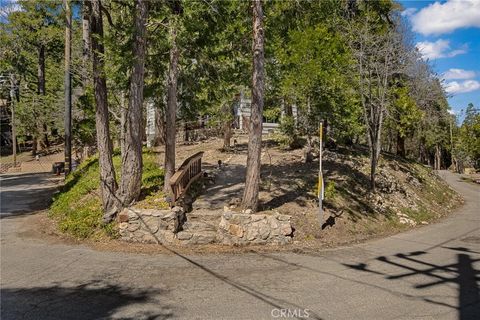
x=231, y=228
x=244, y=228
x=149, y=225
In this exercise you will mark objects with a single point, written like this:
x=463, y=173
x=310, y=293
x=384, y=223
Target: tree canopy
x=349, y=63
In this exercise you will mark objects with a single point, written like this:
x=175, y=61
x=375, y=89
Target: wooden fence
x=188, y=172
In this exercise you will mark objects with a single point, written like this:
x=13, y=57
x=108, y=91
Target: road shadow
x=462, y=273
x=91, y=300
x=415, y=268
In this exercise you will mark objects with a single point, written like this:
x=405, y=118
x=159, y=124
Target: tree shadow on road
x=91, y=300
x=462, y=273
x=417, y=269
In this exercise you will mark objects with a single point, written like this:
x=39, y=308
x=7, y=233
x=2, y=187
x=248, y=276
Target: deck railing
x=188, y=172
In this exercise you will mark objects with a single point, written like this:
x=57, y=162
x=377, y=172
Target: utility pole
x=68, y=88
x=13, y=98
x=454, y=162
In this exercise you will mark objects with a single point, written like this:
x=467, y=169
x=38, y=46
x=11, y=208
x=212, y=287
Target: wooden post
x=320, y=176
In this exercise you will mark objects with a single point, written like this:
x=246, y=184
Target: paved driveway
x=428, y=273
x=25, y=193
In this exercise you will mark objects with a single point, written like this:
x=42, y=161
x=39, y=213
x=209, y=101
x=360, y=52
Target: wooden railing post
x=186, y=174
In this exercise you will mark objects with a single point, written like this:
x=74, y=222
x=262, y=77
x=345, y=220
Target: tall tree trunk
x=309, y=146
x=85, y=43
x=131, y=180
x=438, y=158
x=308, y=149
x=422, y=153
x=373, y=164
x=227, y=134
x=171, y=111
x=227, y=111
x=400, y=145
x=41, y=70
x=123, y=121
x=34, y=145
x=288, y=109
x=46, y=141
x=375, y=130
x=108, y=183
x=252, y=179
x=41, y=89
x=68, y=88
x=159, y=126
x=186, y=132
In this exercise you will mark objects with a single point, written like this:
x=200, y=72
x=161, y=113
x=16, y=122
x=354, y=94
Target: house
x=243, y=111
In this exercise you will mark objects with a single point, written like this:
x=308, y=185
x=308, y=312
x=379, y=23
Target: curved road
x=428, y=273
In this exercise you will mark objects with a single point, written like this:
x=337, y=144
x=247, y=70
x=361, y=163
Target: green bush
x=330, y=190
x=288, y=136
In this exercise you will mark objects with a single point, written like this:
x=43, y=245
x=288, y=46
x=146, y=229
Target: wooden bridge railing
x=188, y=172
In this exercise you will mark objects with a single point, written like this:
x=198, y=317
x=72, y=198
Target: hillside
x=77, y=208
x=409, y=194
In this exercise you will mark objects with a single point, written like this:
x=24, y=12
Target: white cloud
x=458, y=74
x=439, y=18
x=462, y=87
x=408, y=12
x=452, y=112
x=439, y=49
x=7, y=7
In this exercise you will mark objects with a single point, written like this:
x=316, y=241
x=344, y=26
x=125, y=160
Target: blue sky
x=448, y=34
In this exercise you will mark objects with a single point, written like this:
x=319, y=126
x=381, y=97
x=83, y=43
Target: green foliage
x=312, y=66
x=152, y=176
x=83, y=126
x=330, y=190
x=214, y=62
x=288, y=137
x=288, y=127
x=467, y=145
x=36, y=28
x=404, y=112
x=272, y=114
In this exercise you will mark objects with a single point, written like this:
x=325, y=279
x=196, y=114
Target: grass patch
x=437, y=192
x=77, y=208
x=420, y=215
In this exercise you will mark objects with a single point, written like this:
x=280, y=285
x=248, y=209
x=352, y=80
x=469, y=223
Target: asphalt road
x=428, y=273
x=25, y=193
